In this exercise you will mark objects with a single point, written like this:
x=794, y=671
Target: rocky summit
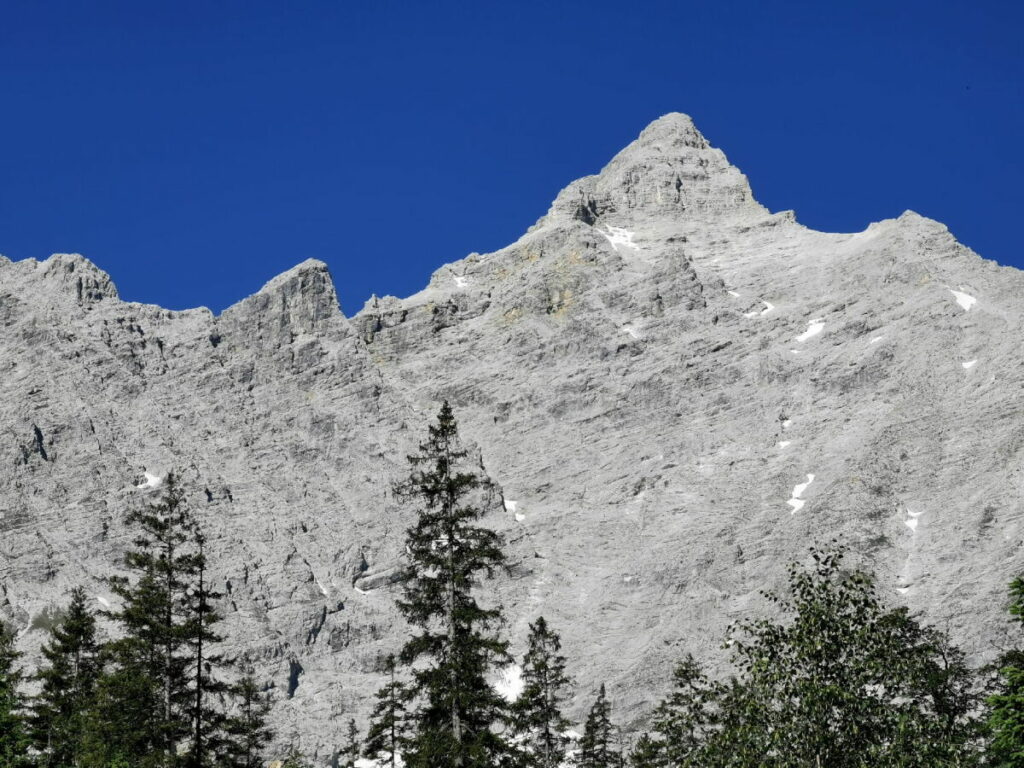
x=675, y=389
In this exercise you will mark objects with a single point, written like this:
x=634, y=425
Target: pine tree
x=457, y=645
x=1006, y=706
x=13, y=733
x=536, y=715
x=351, y=751
x=387, y=733
x=247, y=732
x=160, y=673
x=686, y=717
x=68, y=678
x=647, y=753
x=207, y=719
x=596, y=746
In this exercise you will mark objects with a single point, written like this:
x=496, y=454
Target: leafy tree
x=597, y=745
x=843, y=682
x=60, y=711
x=536, y=715
x=351, y=751
x=247, y=732
x=1005, y=716
x=13, y=733
x=457, y=644
x=387, y=733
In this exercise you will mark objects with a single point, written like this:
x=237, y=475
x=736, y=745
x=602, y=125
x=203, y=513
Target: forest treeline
x=834, y=678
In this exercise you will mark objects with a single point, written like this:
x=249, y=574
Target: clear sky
x=196, y=149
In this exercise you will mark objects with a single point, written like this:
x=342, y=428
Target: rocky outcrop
x=675, y=390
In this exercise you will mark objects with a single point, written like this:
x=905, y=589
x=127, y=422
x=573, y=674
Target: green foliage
x=1005, y=716
x=844, y=683
x=597, y=748
x=537, y=718
x=647, y=753
x=387, y=736
x=351, y=750
x=60, y=713
x=457, y=645
x=246, y=730
x=13, y=733
x=156, y=703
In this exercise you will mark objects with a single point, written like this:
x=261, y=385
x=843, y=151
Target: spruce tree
x=160, y=673
x=386, y=736
x=351, y=751
x=596, y=746
x=536, y=715
x=1006, y=706
x=68, y=686
x=457, y=645
x=247, y=732
x=684, y=719
x=13, y=732
x=207, y=719
x=647, y=753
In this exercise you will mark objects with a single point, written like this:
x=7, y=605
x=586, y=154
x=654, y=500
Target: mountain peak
x=674, y=130
x=670, y=170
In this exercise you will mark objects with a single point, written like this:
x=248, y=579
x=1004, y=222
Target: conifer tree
x=457, y=645
x=596, y=746
x=247, y=732
x=351, y=751
x=1006, y=706
x=13, y=733
x=536, y=715
x=160, y=671
x=207, y=719
x=68, y=678
x=684, y=719
x=387, y=733
x=647, y=753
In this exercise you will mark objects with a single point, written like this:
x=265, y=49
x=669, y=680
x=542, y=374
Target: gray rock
x=676, y=390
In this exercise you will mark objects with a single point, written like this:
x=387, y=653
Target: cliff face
x=676, y=390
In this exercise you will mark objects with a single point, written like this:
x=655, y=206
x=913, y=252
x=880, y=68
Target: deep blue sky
x=196, y=149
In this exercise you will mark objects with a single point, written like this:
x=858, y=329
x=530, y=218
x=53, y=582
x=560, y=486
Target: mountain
x=676, y=390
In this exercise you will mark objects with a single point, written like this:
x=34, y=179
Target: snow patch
x=965, y=300
x=510, y=506
x=460, y=281
x=631, y=331
x=151, y=481
x=798, y=490
x=103, y=601
x=618, y=236
x=911, y=521
x=969, y=364
x=733, y=293
x=510, y=683
x=784, y=443
x=520, y=517
x=903, y=590
x=321, y=587
x=786, y=423
x=876, y=339
x=815, y=327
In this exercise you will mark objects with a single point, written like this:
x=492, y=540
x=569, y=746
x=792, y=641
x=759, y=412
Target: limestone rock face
x=676, y=390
